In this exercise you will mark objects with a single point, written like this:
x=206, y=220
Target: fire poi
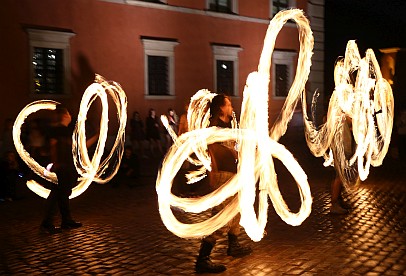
x=89, y=169
x=369, y=101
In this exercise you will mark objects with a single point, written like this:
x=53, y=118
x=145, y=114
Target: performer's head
x=151, y=112
x=62, y=115
x=221, y=108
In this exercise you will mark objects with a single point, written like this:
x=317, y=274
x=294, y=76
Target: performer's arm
x=53, y=153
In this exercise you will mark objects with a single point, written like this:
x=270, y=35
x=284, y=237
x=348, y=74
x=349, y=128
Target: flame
x=257, y=148
x=368, y=101
x=90, y=170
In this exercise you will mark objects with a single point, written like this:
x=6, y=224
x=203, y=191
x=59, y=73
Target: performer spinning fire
x=62, y=160
x=224, y=158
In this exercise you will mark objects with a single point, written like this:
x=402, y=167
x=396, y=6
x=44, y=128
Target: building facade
x=161, y=52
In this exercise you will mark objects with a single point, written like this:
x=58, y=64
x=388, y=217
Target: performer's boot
x=343, y=204
x=235, y=249
x=203, y=262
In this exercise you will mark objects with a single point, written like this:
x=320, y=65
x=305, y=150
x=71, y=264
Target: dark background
x=374, y=24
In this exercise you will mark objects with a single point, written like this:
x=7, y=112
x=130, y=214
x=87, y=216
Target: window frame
x=155, y=2
x=51, y=40
x=227, y=53
x=291, y=4
x=234, y=6
x=164, y=48
x=287, y=58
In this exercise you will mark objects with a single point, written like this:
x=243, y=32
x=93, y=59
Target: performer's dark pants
x=59, y=196
x=233, y=226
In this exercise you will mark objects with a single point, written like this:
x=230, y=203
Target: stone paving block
x=124, y=235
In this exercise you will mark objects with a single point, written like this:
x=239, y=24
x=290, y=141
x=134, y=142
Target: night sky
x=373, y=24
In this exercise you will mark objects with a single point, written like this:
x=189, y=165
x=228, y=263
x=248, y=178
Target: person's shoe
x=235, y=249
x=205, y=265
x=50, y=229
x=344, y=205
x=336, y=209
x=71, y=224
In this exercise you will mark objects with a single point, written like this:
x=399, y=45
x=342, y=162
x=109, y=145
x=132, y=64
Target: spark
x=90, y=169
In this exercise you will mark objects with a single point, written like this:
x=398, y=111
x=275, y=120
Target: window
x=282, y=72
x=49, y=63
x=159, y=67
x=225, y=77
x=279, y=5
x=224, y=6
x=226, y=69
x=158, y=75
x=48, y=70
x=154, y=1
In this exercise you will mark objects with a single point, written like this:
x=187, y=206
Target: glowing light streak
x=255, y=155
x=90, y=170
x=198, y=118
x=368, y=100
x=25, y=156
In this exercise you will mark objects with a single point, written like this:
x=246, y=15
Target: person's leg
x=50, y=208
x=65, y=180
x=151, y=146
x=203, y=262
x=159, y=145
x=51, y=203
x=234, y=247
x=336, y=187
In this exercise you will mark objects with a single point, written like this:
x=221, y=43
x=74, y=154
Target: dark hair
x=215, y=106
x=60, y=110
x=135, y=113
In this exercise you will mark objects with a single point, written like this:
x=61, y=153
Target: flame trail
x=368, y=101
x=89, y=169
x=256, y=150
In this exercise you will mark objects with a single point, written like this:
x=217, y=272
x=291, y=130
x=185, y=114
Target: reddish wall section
x=107, y=41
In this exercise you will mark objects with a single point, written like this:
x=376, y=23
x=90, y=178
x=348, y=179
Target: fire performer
x=342, y=136
x=63, y=166
x=224, y=159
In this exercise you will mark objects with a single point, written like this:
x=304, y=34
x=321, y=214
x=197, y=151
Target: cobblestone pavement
x=124, y=235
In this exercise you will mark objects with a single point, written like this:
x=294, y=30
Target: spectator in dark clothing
x=137, y=133
x=7, y=143
x=173, y=121
x=153, y=132
x=11, y=173
x=129, y=168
